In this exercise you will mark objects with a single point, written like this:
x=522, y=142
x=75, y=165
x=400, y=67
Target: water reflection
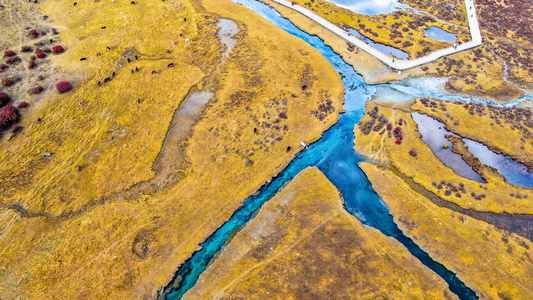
x=439, y=34
x=370, y=7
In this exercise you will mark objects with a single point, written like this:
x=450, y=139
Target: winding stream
x=334, y=156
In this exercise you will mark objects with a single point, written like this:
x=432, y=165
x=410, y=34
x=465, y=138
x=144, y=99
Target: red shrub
x=8, y=116
x=398, y=142
x=36, y=90
x=23, y=104
x=47, y=50
x=32, y=64
x=13, y=60
x=26, y=49
x=17, y=128
x=33, y=33
x=3, y=67
x=4, y=98
x=58, y=49
x=41, y=55
x=63, y=86
x=413, y=153
x=9, y=53
x=8, y=81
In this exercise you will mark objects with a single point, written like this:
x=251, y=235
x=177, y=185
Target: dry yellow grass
x=304, y=245
x=426, y=168
x=373, y=70
x=439, y=9
x=96, y=249
x=492, y=262
x=111, y=132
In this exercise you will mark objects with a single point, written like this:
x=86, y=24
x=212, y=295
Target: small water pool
x=515, y=173
x=383, y=48
x=433, y=134
x=439, y=34
x=371, y=7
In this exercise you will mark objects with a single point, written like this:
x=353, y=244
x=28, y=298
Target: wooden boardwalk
x=396, y=63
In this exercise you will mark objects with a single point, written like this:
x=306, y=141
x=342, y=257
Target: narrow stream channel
x=335, y=157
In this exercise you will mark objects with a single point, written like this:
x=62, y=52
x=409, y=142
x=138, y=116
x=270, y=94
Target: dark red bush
x=13, y=60
x=43, y=32
x=413, y=153
x=8, y=116
x=3, y=67
x=26, y=49
x=8, y=81
x=47, y=50
x=23, y=104
x=32, y=64
x=33, y=33
x=63, y=87
x=9, y=53
x=17, y=128
x=36, y=90
x=4, y=98
x=41, y=55
x=58, y=49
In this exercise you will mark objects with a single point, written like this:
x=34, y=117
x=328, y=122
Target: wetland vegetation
x=133, y=132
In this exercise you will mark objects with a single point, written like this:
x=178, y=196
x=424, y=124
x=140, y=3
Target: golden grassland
x=112, y=228
x=105, y=132
x=304, y=245
x=438, y=9
x=373, y=70
x=479, y=72
x=496, y=264
x=501, y=134
x=428, y=171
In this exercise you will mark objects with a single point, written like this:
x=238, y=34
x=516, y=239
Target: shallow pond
x=439, y=34
x=228, y=29
x=433, y=134
x=381, y=47
x=515, y=173
x=371, y=7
